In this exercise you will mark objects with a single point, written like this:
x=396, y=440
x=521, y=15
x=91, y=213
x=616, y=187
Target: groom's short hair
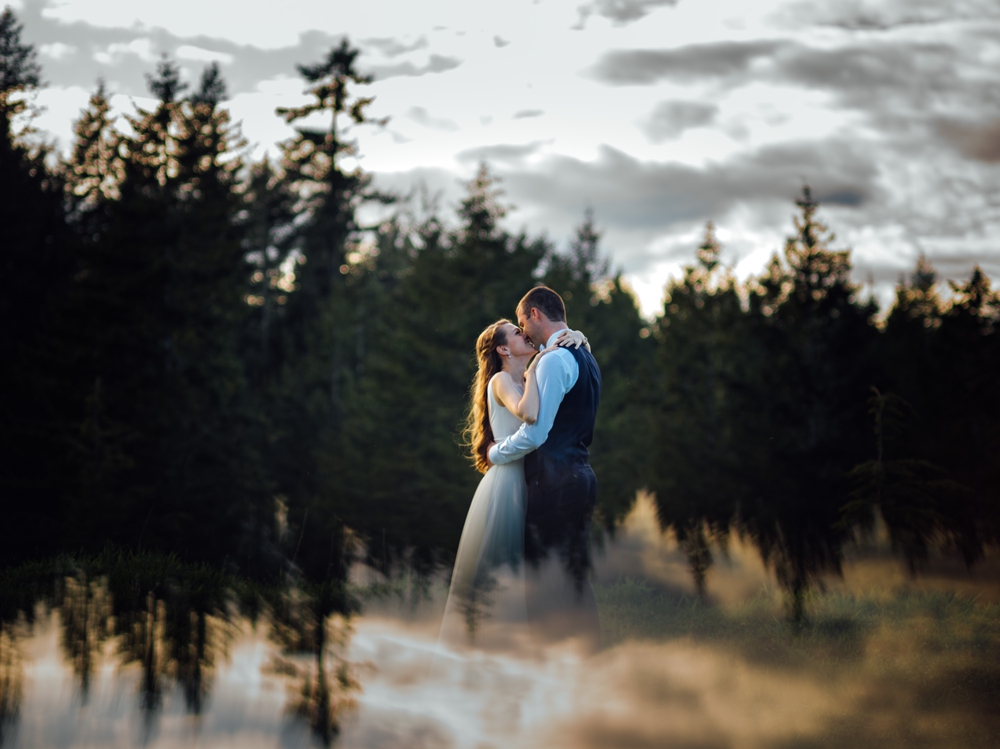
x=546, y=301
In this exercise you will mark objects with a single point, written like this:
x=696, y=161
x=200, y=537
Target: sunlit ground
x=884, y=660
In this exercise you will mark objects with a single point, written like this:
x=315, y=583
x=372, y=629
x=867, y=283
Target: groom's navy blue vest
x=573, y=428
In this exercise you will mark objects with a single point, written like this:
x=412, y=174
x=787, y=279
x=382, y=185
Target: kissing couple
x=520, y=576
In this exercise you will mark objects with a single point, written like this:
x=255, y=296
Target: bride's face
x=517, y=342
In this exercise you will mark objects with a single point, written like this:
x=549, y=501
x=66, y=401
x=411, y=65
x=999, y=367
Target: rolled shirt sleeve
x=556, y=374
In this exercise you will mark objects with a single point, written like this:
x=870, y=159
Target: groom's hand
x=489, y=447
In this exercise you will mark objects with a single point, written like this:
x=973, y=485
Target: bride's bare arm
x=572, y=338
x=523, y=406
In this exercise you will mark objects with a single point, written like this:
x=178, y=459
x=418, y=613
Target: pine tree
x=967, y=413
x=37, y=265
x=702, y=364
x=93, y=165
x=936, y=485
x=20, y=72
x=161, y=301
x=903, y=485
x=317, y=371
x=818, y=341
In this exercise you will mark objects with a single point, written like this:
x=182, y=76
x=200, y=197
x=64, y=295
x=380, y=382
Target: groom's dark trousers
x=562, y=492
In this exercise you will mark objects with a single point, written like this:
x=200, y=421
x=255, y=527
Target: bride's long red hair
x=478, y=433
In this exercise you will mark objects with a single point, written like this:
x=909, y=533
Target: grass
x=839, y=623
x=924, y=667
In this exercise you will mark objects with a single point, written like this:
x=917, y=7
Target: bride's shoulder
x=499, y=377
x=500, y=383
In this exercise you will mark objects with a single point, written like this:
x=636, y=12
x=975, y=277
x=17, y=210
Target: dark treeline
x=215, y=357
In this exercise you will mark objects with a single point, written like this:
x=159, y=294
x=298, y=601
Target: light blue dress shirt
x=556, y=374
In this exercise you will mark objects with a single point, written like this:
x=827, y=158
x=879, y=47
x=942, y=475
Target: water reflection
x=312, y=630
x=11, y=681
x=87, y=625
x=150, y=653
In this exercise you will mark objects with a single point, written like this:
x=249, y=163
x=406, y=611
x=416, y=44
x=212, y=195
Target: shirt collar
x=552, y=339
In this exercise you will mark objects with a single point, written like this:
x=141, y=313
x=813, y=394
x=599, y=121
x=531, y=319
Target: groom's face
x=529, y=326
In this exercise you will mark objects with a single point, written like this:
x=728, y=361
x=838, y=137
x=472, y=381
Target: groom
x=562, y=488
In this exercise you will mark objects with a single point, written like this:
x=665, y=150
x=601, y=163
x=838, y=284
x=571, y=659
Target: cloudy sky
x=659, y=114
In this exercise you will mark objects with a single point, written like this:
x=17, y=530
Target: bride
x=486, y=600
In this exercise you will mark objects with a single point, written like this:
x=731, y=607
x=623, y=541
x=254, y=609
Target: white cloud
x=254, y=111
x=189, y=52
x=422, y=117
x=60, y=106
x=141, y=48
x=269, y=25
x=907, y=84
x=57, y=50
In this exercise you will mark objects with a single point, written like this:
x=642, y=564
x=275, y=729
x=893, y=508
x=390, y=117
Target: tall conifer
x=37, y=267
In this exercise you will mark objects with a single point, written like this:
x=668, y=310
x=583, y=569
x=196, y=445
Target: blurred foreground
x=881, y=661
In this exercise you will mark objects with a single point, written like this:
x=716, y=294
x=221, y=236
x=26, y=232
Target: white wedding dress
x=486, y=600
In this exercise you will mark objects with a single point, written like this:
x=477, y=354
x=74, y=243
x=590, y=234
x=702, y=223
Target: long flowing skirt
x=486, y=599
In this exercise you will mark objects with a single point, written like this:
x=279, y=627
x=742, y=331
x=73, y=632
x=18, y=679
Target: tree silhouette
x=166, y=84
x=819, y=345
x=19, y=70
x=160, y=301
x=699, y=460
x=38, y=266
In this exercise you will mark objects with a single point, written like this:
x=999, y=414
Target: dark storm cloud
x=620, y=12
x=980, y=142
x=692, y=63
x=671, y=118
x=885, y=76
x=862, y=74
x=902, y=85
x=647, y=199
x=859, y=15
x=635, y=195
x=391, y=47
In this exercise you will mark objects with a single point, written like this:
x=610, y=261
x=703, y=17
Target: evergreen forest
x=216, y=357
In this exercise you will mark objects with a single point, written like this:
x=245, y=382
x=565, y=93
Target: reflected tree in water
x=312, y=626
x=142, y=641
x=179, y=629
x=11, y=681
x=86, y=621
